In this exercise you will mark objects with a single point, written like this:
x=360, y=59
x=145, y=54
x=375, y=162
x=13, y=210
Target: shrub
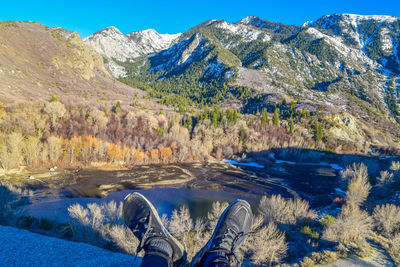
x=94, y=223
x=307, y=262
x=387, y=217
x=325, y=257
x=45, y=224
x=279, y=210
x=192, y=235
x=308, y=231
x=266, y=245
x=359, y=186
x=351, y=225
x=124, y=239
x=25, y=222
x=394, y=249
x=385, y=177
x=213, y=216
x=395, y=166
x=327, y=220
x=10, y=198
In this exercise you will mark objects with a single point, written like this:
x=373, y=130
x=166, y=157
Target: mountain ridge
x=323, y=63
x=115, y=46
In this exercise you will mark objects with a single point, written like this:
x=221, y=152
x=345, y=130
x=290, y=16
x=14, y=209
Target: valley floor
x=22, y=248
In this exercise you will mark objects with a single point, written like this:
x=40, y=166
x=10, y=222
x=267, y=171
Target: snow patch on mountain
x=248, y=34
x=340, y=46
x=380, y=18
x=111, y=43
x=253, y=20
x=180, y=54
x=152, y=41
x=114, y=45
x=386, y=39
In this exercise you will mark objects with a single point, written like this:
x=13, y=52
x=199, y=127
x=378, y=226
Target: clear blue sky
x=172, y=16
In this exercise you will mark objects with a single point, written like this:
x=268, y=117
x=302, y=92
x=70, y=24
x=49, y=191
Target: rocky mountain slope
x=117, y=47
x=38, y=61
x=333, y=63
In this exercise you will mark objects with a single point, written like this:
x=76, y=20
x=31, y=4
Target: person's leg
x=161, y=248
x=231, y=231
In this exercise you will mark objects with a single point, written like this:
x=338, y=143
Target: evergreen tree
x=264, y=116
x=275, y=117
x=117, y=107
x=318, y=133
x=242, y=134
x=291, y=124
x=181, y=109
x=292, y=106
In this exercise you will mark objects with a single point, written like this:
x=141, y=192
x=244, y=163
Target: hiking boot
x=231, y=231
x=142, y=218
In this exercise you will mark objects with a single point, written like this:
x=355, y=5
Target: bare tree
x=11, y=150
x=55, y=110
x=54, y=149
x=98, y=119
x=31, y=149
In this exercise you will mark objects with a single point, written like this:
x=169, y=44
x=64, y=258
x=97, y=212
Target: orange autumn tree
x=114, y=152
x=166, y=153
x=155, y=154
x=139, y=155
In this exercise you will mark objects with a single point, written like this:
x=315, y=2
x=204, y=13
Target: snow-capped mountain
x=275, y=27
x=325, y=60
x=115, y=46
x=111, y=43
x=377, y=37
x=152, y=41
